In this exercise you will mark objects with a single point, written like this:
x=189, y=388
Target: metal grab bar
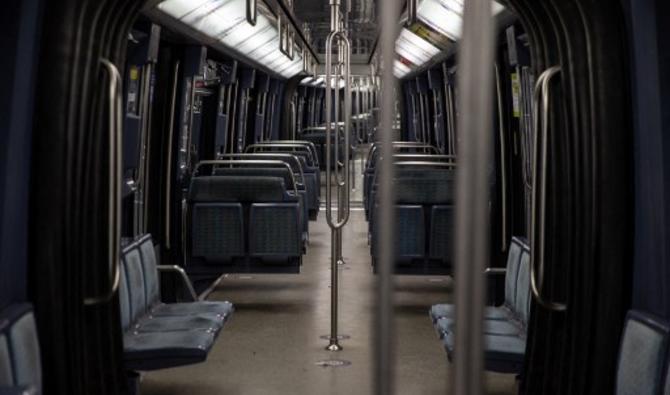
x=248, y=162
x=310, y=144
x=399, y=145
x=182, y=274
x=425, y=156
x=267, y=156
x=426, y=164
x=114, y=208
x=503, y=156
x=304, y=147
x=329, y=135
x=168, y=171
x=343, y=189
x=537, y=233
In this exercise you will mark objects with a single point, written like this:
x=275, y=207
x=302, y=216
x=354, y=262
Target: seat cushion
x=151, y=351
x=222, y=309
x=503, y=354
x=490, y=312
x=446, y=325
x=202, y=322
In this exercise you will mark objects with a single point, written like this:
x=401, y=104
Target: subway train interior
x=334, y=197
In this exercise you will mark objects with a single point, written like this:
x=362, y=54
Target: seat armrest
x=182, y=273
x=495, y=270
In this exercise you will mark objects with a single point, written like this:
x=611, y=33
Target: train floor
x=274, y=344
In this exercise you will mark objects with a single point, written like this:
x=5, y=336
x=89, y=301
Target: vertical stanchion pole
x=342, y=186
x=384, y=353
x=472, y=192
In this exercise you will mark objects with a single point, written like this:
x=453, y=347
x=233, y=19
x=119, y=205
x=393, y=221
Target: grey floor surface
x=272, y=344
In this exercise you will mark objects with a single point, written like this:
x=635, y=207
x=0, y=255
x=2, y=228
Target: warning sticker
x=516, y=95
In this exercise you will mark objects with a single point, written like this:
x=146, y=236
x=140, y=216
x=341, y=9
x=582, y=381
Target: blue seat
x=158, y=335
x=423, y=224
x=493, y=312
x=20, y=367
x=221, y=310
x=642, y=356
x=505, y=326
x=258, y=227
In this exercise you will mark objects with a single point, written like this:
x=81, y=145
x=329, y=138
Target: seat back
x=279, y=172
x=132, y=260
x=210, y=189
x=642, y=355
x=149, y=262
x=522, y=304
x=20, y=364
x=512, y=271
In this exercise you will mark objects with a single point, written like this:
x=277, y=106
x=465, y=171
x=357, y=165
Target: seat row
x=250, y=213
x=424, y=208
x=317, y=136
x=307, y=154
x=157, y=335
x=505, y=326
x=373, y=156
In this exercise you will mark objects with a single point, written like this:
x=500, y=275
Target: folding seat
x=155, y=342
x=642, y=355
x=221, y=310
x=132, y=273
x=493, y=312
x=504, y=339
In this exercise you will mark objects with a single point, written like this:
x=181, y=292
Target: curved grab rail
x=537, y=234
x=114, y=207
x=342, y=209
x=249, y=162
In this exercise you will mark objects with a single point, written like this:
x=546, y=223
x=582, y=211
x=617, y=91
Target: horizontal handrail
x=248, y=162
x=310, y=144
x=265, y=146
x=262, y=155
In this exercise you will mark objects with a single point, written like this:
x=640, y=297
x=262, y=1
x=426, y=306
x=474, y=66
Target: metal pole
x=384, y=350
x=343, y=191
x=472, y=198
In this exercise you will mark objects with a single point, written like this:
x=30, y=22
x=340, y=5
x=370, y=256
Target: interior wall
x=650, y=51
x=18, y=32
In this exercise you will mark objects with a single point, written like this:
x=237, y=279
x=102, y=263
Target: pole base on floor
x=334, y=346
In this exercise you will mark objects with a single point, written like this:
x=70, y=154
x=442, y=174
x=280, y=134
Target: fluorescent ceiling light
x=400, y=69
x=446, y=16
x=226, y=22
x=414, y=48
x=306, y=80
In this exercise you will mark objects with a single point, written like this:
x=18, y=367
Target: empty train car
x=334, y=197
